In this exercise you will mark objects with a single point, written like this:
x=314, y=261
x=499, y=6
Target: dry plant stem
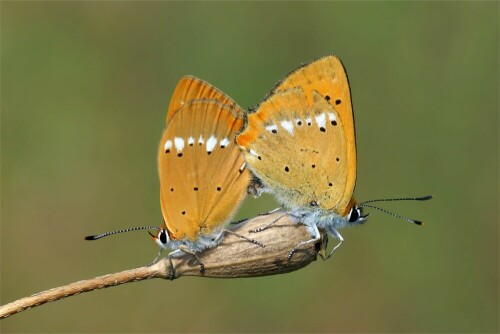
x=233, y=258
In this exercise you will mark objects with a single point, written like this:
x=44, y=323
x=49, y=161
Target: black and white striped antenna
x=102, y=235
x=417, y=222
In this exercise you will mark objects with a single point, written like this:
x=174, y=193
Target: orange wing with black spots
x=202, y=174
x=301, y=139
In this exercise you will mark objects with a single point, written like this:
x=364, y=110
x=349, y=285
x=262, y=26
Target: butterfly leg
x=224, y=231
x=324, y=247
x=260, y=229
x=337, y=235
x=190, y=252
x=156, y=258
x=238, y=222
x=272, y=211
x=171, y=274
x=315, y=238
x=261, y=214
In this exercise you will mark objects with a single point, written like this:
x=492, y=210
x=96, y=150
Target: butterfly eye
x=354, y=214
x=163, y=237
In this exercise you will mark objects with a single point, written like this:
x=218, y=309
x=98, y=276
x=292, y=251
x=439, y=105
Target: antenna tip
x=418, y=222
x=426, y=198
x=90, y=237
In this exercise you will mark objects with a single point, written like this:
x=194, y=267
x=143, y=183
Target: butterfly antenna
x=417, y=222
x=423, y=198
x=99, y=236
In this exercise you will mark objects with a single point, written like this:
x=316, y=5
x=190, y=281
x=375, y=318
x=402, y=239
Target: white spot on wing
x=224, y=142
x=298, y=121
x=168, y=145
x=331, y=116
x=190, y=141
x=288, y=126
x=179, y=144
x=211, y=142
x=201, y=141
x=252, y=152
x=308, y=120
x=272, y=127
x=320, y=120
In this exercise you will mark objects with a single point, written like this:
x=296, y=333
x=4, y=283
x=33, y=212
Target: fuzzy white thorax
x=322, y=219
x=202, y=242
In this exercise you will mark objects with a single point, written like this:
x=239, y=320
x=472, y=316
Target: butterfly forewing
x=309, y=117
x=190, y=89
x=201, y=179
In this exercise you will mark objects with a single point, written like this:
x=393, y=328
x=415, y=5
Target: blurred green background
x=84, y=91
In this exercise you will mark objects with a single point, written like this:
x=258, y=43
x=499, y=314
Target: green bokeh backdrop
x=84, y=92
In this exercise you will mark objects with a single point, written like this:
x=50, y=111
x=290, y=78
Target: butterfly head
x=162, y=238
x=355, y=214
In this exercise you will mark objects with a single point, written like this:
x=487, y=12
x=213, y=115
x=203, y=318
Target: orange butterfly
x=301, y=143
x=203, y=178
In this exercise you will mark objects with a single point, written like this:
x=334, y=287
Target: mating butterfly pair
x=300, y=143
